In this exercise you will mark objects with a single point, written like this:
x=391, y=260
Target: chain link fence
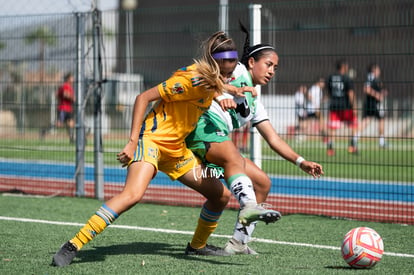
x=140, y=48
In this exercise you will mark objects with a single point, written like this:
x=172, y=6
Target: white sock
x=242, y=233
x=242, y=188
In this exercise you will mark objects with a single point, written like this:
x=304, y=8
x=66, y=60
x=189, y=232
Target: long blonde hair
x=207, y=66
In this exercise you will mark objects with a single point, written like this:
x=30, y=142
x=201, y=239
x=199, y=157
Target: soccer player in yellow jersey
x=157, y=142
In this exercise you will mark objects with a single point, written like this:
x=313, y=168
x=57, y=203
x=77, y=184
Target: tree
x=45, y=37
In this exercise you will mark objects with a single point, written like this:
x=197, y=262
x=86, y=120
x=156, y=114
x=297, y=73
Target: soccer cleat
x=330, y=152
x=208, y=250
x=234, y=247
x=65, y=255
x=252, y=213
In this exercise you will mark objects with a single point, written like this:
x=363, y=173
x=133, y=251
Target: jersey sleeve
x=184, y=84
x=176, y=88
x=260, y=114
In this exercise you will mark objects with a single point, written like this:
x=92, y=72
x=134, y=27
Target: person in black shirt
x=374, y=104
x=342, y=106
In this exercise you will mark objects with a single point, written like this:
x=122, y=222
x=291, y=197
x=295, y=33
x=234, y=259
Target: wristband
x=220, y=98
x=299, y=161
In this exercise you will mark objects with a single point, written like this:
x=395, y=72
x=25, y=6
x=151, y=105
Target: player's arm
x=225, y=101
x=283, y=149
x=68, y=94
x=140, y=106
x=371, y=92
x=352, y=100
x=239, y=91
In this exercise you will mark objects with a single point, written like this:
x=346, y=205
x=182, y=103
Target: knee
x=267, y=184
x=263, y=186
x=224, y=199
x=130, y=198
x=218, y=203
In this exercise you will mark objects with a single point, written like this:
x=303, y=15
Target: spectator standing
x=313, y=106
x=342, y=106
x=300, y=108
x=66, y=99
x=374, y=103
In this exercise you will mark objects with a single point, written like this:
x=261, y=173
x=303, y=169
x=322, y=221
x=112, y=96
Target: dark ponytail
x=256, y=51
x=246, y=46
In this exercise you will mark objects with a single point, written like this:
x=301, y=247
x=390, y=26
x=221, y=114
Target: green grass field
x=156, y=236
x=393, y=164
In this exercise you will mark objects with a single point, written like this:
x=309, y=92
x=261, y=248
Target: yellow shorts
x=174, y=167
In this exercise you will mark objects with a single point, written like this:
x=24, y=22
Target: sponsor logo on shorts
x=207, y=172
x=182, y=163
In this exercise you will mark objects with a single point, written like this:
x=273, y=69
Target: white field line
x=190, y=233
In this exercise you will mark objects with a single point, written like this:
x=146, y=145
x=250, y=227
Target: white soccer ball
x=362, y=247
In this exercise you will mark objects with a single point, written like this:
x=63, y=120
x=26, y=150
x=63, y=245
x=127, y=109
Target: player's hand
x=246, y=89
x=127, y=154
x=312, y=168
x=227, y=104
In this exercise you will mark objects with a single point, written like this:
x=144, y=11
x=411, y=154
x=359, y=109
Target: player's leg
x=221, y=151
x=352, y=121
x=334, y=123
x=226, y=155
x=381, y=126
x=138, y=178
x=238, y=244
x=60, y=119
x=330, y=151
x=366, y=120
x=217, y=196
x=261, y=181
x=70, y=124
x=380, y=115
x=245, y=137
x=60, y=116
x=323, y=122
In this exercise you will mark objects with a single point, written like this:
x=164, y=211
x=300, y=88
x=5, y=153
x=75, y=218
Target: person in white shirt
x=313, y=107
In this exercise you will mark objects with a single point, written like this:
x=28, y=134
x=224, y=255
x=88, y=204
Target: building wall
x=308, y=35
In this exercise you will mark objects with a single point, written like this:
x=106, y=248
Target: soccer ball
x=362, y=247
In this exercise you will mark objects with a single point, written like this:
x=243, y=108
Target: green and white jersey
x=248, y=108
x=215, y=125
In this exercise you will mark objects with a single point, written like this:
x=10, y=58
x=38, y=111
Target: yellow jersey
x=172, y=118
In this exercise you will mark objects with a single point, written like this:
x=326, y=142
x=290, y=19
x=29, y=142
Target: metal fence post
x=255, y=31
x=80, y=113
x=97, y=70
x=224, y=15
